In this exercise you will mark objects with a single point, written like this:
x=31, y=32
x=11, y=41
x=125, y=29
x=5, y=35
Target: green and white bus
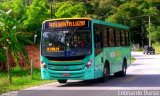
x=83, y=49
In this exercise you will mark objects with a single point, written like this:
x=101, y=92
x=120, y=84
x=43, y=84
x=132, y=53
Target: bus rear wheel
x=124, y=69
x=62, y=81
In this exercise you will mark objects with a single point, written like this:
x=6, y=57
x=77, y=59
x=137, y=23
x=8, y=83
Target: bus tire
x=62, y=81
x=105, y=76
x=124, y=69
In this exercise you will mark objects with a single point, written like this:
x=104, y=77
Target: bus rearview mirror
x=35, y=38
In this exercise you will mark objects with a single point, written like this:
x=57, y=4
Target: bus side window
x=106, y=37
x=127, y=37
x=117, y=33
x=111, y=37
x=123, y=39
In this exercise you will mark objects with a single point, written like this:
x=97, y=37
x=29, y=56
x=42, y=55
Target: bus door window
x=97, y=39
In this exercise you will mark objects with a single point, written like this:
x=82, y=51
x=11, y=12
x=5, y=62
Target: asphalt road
x=143, y=79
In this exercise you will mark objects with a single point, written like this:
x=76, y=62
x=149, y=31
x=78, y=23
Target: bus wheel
x=105, y=76
x=62, y=81
x=124, y=69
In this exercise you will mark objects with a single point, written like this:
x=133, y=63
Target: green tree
x=124, y=12
x=101, y=9
x=10, y=37
x=6, y=4
x=9, y=42
x=36, y=14
x=154, y=32
x=135, y=13
x=69, y=9
x=19, y=9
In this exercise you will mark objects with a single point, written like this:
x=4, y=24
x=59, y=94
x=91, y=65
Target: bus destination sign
x=66, y=24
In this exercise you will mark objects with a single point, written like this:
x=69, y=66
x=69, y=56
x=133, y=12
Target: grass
x=132, y=59
x=21, y=79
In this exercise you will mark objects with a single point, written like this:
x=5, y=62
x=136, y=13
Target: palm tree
x=10, y=39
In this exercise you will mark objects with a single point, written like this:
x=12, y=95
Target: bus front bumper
x=84, y=74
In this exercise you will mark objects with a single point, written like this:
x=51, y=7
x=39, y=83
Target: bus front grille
x=67, y=67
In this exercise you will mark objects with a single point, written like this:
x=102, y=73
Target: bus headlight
x=89, y=64
x=43, y=65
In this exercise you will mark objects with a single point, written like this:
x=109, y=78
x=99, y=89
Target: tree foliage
x=19, y=9
x=155, y=32
x=36, y=14
x=133, y=13
x=9, y=37
x=69, y=9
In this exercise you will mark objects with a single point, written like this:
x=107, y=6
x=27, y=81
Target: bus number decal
x=53, y=49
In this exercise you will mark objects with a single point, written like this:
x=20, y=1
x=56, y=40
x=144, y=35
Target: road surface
x=143, y=79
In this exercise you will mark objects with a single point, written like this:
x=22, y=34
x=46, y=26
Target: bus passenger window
x=111, y=37
x=106, y=37
x=127, y=38
x=123, y=39
x=117, y=33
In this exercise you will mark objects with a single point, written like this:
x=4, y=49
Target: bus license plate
x=66, y=75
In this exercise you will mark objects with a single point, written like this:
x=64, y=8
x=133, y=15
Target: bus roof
x=94, y=21
x=67, y=19
x=110, y=24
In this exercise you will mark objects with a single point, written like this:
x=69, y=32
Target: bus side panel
x=114, y=56
x=99, y=64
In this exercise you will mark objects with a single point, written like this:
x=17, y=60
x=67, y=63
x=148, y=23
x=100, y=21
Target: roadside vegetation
x=133, y=59
x=157, y=48
x=21, y=79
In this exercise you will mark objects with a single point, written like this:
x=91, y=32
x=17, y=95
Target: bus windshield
x=66, y=43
